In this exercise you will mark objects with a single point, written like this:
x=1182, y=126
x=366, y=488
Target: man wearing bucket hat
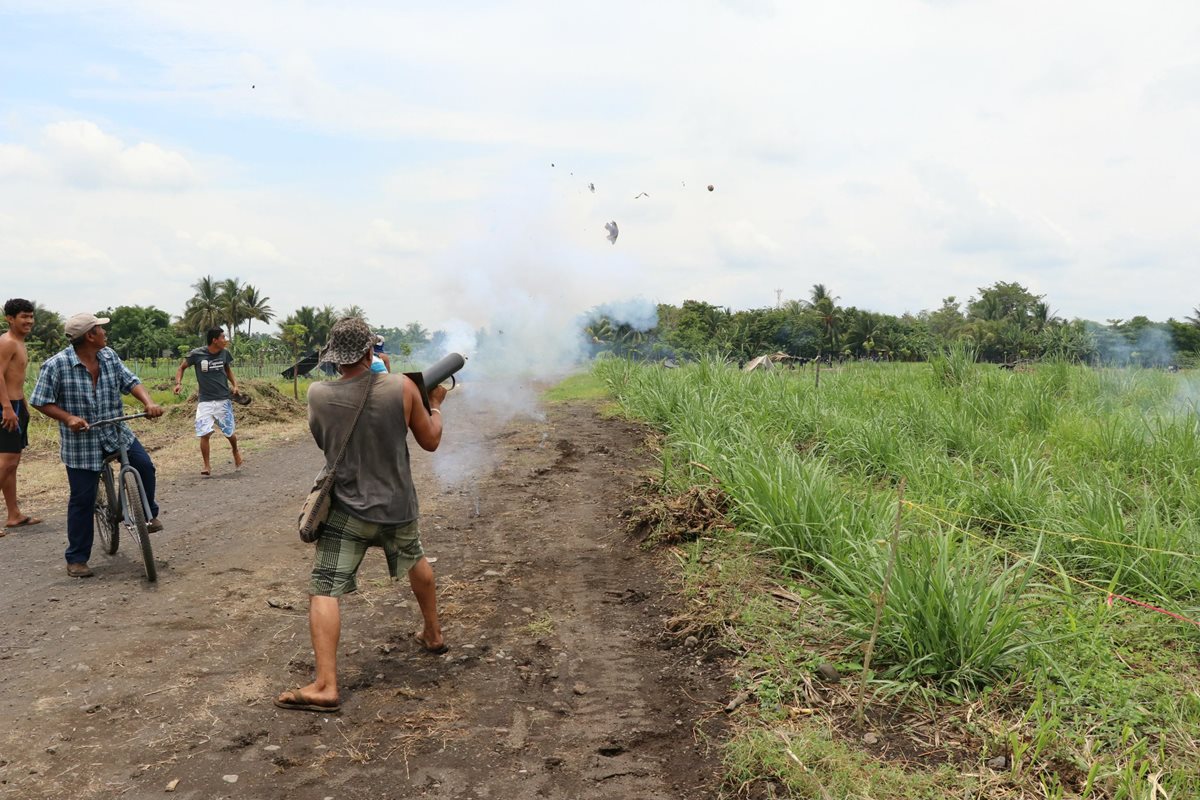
x=79, y=385
x=374, y=500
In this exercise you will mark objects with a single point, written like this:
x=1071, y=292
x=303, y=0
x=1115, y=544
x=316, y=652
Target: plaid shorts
x=343, y=543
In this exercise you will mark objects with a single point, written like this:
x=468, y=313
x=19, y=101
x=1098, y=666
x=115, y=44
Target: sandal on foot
x=299, y=702
x=437, y=651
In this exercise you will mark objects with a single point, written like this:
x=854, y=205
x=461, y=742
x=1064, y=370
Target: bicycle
x=113, y=502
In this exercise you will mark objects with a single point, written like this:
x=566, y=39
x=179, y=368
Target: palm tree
x=819, y=293
x=1041, y=317
x=824, y=305
x=353, y=311
x=1195, y=317
x=204, y=310
x=233, y=305
x=256, y=307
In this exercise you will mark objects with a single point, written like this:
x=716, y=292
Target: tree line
x=1003, y=323
x=150, y=333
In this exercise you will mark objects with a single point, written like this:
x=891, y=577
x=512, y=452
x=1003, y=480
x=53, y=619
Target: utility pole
x=778, y=297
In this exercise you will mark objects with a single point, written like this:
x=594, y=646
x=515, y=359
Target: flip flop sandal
x=299, y=702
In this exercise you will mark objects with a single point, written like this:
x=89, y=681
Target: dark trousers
x=80, y=519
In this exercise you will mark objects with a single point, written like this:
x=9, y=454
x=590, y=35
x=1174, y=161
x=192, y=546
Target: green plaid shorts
x=343, y=543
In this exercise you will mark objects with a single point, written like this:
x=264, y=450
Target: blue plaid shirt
x=66, y=382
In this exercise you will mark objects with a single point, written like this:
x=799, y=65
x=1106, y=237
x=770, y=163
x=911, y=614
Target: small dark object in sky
x=611, y=227
x=552, y=163
x=592, y=186
x=252, y=86
x=641, y=194
x=710, y=187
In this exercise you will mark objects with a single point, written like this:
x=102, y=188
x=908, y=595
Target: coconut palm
x=233, y=306
x=256, y=307
x=205, y=309
x=824, y=306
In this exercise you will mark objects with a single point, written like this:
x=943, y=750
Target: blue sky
x=398, y=156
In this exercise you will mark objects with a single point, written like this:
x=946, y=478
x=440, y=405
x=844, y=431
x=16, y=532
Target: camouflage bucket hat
x=349, y=340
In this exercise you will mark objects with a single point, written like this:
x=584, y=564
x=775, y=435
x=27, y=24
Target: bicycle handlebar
x=114, y=420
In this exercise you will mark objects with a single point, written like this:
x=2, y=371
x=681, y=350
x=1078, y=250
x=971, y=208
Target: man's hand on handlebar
x=154, y=410
x=77, y=424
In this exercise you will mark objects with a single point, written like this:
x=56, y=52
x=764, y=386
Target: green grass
x=1030, y=497
x=580, y=386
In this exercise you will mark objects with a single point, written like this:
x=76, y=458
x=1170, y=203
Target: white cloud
x=17, y=162
x=384, y=238
x=238, y=251
x=88, y=157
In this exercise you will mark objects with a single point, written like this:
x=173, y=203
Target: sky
x=434, y=162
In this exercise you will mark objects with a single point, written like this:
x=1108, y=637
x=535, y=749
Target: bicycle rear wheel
x=107, y=514
x=137, y=513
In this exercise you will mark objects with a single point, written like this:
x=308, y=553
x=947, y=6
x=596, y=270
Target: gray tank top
x=374, y=482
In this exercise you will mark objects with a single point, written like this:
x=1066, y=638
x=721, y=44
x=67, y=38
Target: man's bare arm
x=179, y=375
x=8, y=351
x=426, y=428
x=232, y=380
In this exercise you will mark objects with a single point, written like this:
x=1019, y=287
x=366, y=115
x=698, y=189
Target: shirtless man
x=14, y=427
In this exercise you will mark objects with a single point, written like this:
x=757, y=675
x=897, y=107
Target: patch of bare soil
x=561, y=681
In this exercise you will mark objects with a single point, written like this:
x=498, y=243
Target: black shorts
x=18, y=440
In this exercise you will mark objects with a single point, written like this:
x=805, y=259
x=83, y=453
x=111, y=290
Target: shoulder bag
x=315, y=510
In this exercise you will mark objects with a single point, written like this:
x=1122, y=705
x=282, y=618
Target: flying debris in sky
x=611, y=227
x=710, y=187
x=592, y=186
x=641, y=194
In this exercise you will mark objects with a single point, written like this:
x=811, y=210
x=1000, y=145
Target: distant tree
x=256, y=307
x=1002, y=301
x=316, y=323
x=294, y=336
x=232, y=300
x=205, y=309
x=824, y=307
x=140, y=332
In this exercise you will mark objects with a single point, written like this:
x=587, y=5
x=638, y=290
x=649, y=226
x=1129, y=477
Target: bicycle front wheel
x=137, y=513
x=107, y=514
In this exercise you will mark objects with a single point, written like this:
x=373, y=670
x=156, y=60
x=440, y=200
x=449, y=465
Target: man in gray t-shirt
x=214, y=409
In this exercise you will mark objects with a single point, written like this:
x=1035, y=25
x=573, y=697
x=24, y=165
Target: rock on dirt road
x=561, y=681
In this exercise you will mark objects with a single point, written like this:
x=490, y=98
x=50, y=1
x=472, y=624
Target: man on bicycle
x=85, y=382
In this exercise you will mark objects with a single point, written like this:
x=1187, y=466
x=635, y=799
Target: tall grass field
x=1041, y=567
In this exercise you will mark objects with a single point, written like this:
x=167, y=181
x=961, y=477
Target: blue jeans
x=84, y=482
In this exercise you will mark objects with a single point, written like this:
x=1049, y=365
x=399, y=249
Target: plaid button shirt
x=66, y=382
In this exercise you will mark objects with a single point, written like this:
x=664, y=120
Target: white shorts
x=211, y=414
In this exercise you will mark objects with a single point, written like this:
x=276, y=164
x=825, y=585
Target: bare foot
x=237, y=459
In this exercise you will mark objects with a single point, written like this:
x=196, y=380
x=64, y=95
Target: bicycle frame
x=122, y=455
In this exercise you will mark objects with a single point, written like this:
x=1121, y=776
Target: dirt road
x=561, y=681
